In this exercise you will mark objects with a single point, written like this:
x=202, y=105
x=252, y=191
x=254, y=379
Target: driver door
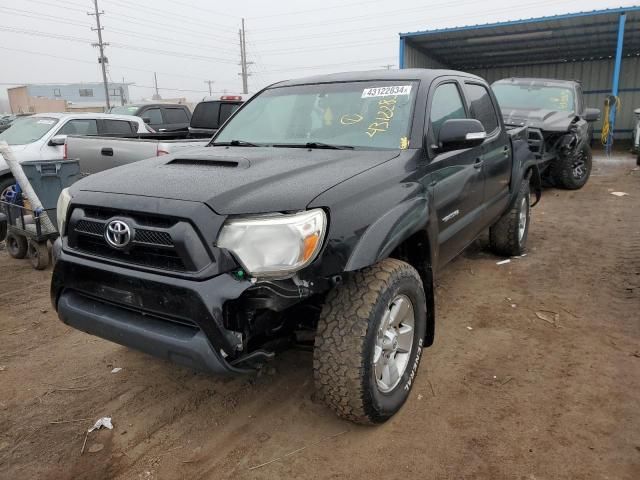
x=455, y=177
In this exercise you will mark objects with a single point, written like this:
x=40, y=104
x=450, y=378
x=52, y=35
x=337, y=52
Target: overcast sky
x=189, y=41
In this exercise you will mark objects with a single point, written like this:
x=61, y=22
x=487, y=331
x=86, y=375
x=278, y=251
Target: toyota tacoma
x=560, y=125
x=319, y=215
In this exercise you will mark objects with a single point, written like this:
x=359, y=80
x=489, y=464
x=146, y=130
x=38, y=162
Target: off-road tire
x=38, y=253
x=504, y=235
x=16, y=245
x=562, y=169
x=346, y=339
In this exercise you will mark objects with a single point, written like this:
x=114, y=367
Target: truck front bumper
x=176, y=319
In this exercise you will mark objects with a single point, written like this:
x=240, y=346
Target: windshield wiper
x=235, y=143
x=327, y=146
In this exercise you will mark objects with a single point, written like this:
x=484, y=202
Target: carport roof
x=558, y=38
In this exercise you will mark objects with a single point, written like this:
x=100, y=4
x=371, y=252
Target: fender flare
x=389, y=231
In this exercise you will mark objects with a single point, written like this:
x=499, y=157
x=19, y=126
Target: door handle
x=478, y=163
x=108, y=152
x=505, y=150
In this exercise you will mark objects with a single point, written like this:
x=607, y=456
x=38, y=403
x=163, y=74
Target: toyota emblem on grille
x=117, y=234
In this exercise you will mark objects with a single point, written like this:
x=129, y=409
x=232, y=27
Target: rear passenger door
x=175, y=119
x=495, y=152
x=454, y=176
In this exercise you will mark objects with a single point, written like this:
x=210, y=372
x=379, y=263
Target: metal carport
x=600, y=48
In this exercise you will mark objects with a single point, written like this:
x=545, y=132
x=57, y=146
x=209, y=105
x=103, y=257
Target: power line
x=129, y=33
x=155, y=11
x=202, y=9
x=403, y=12
x=121, y=67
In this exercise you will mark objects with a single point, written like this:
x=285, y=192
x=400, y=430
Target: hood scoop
x=208, y=162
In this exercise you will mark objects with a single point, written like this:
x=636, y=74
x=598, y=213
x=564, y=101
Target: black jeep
x=560, y=126
x=321, y=212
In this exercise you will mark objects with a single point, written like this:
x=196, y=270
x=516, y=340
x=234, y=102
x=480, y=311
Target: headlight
x=61, y=209
x=276, y=245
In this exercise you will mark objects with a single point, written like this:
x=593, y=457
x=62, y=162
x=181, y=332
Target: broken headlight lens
x=275, y=245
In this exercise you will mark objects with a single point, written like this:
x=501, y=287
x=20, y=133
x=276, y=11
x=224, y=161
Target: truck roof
x=66, y=115
x=425, y=74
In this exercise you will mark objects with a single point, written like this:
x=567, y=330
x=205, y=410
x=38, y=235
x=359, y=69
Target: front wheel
x=369, y=342
x=571, y=172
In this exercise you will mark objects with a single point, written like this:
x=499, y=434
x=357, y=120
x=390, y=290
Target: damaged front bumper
x=180, y=320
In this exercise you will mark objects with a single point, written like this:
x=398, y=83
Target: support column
x=401, y=53
x=616, y=76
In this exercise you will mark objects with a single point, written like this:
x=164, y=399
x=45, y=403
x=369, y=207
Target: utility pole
x=209, y=82
x=243, y=60
x=155, y=82
x=102, y=60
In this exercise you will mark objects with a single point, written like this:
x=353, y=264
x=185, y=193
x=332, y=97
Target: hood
x=549, y=120
x=17, y=150
x=238, y=180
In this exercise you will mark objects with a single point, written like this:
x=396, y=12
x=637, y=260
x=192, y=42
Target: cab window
x=446, y=104
x=481, y=106
x=80, y=126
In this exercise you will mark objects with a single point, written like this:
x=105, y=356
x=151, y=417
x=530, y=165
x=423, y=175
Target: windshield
x=27, y=130
x=534, y=97
x=356, y=114
x=124, y=110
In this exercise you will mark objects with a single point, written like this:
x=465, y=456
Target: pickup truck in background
x=320, y=213
x=42, y=136
x=559, y=125
x=162, y=117
x=101, y=153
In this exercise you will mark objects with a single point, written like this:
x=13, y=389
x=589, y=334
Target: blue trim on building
x=401, y=53
x=565, y=16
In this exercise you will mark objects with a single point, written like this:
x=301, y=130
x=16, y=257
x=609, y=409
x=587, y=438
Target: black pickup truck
x=320, y=213
x=559, y=125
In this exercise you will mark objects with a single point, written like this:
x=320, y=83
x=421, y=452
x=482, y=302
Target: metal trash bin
x=48, y=178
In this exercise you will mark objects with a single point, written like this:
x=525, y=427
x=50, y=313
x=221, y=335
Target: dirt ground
x=501, y=394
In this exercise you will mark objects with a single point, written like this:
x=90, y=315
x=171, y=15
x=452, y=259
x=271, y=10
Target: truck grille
x=149, y=247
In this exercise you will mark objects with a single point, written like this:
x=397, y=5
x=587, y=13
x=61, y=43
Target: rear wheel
x=369, y=342
x=16, y=245
x=38, y=254
x=572, y=171
x=508, y=236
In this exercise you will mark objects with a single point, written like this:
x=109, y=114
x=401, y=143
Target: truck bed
x=100, y=153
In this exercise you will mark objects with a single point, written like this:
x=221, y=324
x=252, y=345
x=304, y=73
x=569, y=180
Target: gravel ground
x=535, y=374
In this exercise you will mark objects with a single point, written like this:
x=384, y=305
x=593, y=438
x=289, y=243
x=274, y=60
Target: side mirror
x=592, y=114
x=146, y=120
x=460, y=133
x=57, y=140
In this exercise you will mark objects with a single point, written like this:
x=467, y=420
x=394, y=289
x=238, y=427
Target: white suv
x=42, y=136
